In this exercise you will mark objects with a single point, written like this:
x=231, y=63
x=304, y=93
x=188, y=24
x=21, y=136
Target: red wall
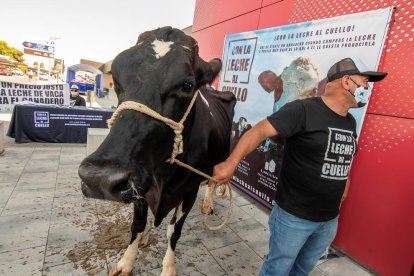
x=377, y=220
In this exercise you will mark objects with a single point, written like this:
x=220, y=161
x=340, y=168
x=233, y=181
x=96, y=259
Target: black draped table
x=55, y=124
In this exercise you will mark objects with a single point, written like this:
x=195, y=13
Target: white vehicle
x=17, y=72
x=43, y=76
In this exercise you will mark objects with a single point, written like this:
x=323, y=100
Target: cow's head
x=162, y=71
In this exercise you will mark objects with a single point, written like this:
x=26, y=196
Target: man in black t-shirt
x=75, y=98
x=320, y=142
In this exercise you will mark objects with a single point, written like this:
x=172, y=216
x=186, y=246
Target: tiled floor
x=47, y=227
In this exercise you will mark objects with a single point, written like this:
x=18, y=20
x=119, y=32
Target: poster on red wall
x=268, y=68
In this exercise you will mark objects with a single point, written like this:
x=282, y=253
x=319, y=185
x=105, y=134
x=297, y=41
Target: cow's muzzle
x=111, y=183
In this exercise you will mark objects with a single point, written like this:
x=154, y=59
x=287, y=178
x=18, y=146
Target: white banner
x=50, y=94
x=268, y=68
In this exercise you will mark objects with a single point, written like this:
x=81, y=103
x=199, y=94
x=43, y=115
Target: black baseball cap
x=348, y=66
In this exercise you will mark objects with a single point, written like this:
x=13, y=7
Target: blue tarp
x=83, y=87
x=99, y=91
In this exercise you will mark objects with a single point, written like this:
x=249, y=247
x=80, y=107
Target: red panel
x=211, y=40
x=276, y=15
x=269, y=2
x=396, y=96
x=376, y=222
x=212, y=12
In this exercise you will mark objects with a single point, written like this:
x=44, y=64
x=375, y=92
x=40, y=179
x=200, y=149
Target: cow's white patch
x=127, y=262
x=170, y=231
x=204, y=100
x=180, y=212
x=168, y=263
x=186, y=48
x=161, y=48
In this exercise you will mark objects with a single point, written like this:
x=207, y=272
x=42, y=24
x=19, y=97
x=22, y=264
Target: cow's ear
x=206, y=72
x=146, y=36
x=215, y=64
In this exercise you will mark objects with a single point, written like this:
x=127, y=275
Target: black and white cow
x=162, y=71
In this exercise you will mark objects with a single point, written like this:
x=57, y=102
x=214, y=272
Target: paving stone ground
x=47, y=227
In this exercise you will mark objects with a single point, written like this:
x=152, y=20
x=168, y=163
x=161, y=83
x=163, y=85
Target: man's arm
x=248, y=142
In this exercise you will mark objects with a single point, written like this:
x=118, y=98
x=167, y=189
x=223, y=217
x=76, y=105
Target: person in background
x=30, y=74
x=320, y=142
x=75, y=98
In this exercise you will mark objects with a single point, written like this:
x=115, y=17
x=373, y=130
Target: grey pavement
x=47, y=227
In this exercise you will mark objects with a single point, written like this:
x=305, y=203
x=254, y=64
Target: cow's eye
x=188, y=86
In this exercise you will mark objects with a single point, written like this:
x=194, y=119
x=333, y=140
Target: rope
x=178, y=147
x=210, y=195
x=178, y=128
x=208, y=203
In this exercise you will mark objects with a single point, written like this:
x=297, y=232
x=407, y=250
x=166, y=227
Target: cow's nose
x=103, y=182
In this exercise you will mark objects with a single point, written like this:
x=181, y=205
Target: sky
x=88, y=29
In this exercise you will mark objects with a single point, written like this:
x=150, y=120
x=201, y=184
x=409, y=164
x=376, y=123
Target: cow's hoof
x=169, y=272
x=117, y=271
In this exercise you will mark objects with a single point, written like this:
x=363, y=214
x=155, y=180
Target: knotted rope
x=178, y=128
x=178, y=148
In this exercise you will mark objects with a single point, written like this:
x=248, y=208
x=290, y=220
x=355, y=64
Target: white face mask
x=361, y=94
x=73, y=93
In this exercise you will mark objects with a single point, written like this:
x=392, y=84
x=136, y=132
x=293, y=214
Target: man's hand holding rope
x=222, y=172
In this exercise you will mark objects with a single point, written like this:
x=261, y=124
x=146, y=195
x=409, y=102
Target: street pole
x=48, y=77
x=52, y=39
x=61, y=70
x=38, y=71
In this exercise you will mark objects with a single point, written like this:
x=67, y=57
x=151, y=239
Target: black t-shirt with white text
x=319, y=147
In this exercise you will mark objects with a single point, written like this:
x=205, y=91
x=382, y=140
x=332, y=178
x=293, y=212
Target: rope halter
x=177, y=127
x=178, y=148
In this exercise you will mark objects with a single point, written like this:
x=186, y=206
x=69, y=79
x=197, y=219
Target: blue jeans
x=295, y=244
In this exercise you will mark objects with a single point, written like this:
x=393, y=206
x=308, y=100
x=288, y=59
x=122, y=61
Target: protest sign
x=50, y=94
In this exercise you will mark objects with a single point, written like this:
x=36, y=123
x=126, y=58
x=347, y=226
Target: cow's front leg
x=125, y=265
x=174, y=232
